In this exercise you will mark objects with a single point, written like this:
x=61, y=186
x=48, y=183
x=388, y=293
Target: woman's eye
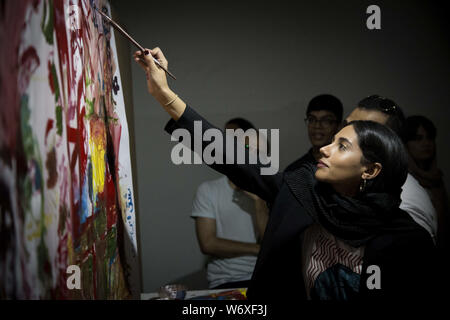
x=342, y=147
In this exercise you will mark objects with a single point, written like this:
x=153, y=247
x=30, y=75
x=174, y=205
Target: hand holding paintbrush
x=156, y=78
x=157, y=82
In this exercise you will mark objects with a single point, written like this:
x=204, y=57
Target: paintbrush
x=119, y=28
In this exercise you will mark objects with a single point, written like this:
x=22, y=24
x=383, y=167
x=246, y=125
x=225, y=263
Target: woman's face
x=422, y=147
x=340, y=164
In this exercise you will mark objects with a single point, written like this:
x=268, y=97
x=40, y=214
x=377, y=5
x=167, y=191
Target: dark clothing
x=307, y=157
x=354, y=220
x=406, y=258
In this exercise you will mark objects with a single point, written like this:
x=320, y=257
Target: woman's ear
x=372, y=171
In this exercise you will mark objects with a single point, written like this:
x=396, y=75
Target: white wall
x=265, y=62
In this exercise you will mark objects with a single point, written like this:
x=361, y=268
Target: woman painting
x=335, y=229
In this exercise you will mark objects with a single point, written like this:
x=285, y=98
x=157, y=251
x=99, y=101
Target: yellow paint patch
x=34, y=230
x=97, y=146
x=48, y=219
x=34, y=235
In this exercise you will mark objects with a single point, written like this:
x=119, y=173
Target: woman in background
x=420, y=139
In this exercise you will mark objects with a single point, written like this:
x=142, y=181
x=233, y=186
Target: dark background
x=265, y=61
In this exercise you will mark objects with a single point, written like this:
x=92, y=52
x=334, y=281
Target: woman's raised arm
x=245, y=175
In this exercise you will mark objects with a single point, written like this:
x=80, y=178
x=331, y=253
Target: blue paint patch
x=129, y=200
x=84, y=210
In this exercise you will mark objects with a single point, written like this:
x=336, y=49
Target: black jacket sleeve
x=246, y=176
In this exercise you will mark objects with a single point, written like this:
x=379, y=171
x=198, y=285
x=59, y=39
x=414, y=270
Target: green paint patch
x=44, y=266
x=87, y=79
x=114, y=120
x=29, y=184
x=87, y=278
x=25, y=128
x=89, y=108
x=47, y=28
x=59, y=125
x=111, y=245
x=55, y=81
x=100, y=223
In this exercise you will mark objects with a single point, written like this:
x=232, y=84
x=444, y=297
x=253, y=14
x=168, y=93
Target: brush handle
x=119, y=28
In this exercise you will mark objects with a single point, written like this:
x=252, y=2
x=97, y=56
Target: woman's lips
x=320, y=164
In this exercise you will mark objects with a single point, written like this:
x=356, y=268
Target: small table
x=189, y=294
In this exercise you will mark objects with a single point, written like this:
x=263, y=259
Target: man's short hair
x=241, y=123
x=326, y=102
x=396, y=118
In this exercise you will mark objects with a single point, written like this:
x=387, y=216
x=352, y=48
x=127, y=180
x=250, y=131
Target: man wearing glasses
x=323, y=119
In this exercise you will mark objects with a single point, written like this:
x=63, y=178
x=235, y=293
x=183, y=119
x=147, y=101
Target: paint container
x=172, y=292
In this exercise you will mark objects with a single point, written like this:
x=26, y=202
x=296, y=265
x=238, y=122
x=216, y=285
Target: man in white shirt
x=230, y=224
x=415, y=199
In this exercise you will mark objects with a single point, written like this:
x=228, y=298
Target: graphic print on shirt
x=333, y=272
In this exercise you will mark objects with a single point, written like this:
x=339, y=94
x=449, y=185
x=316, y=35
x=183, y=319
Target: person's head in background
x=241, y=123
x=323, y=119
x=419, y=137
x=381, y=110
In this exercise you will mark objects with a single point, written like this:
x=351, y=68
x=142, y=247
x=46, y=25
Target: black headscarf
x=353, y=220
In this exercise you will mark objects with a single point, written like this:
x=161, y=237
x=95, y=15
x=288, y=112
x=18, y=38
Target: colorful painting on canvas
x=65, y=185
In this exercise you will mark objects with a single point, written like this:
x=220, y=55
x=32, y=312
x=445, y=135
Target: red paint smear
x=116, y=131
x=36, y=4
x=72, y=134
x=83, y=147
x=63, y=291
x=28, y=56
x=29, y=62
x=50, y=165
x=50, y=77
x=82, y=161
x=80, y=92
x=68, y=44
x=48, y=128
x=73, y=160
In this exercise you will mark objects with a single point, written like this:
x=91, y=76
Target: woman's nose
x=324, y=151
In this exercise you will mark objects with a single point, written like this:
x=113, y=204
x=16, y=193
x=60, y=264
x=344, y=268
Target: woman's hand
x=157, y=81
x=156, y=76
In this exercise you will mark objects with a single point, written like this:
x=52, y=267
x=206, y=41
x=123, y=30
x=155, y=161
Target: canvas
x=65, y=185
